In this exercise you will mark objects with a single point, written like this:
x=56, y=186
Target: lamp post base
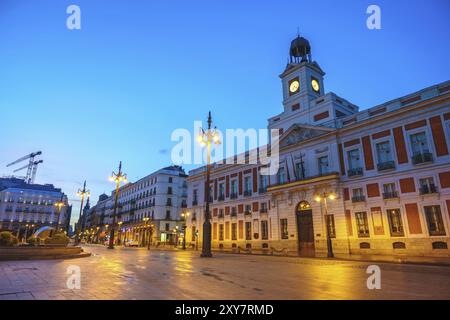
x=206, y=255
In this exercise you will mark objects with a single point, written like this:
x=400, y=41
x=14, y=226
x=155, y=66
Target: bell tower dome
x=302, y=79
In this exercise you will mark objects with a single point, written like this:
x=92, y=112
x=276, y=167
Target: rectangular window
x=263, y=208
x=264, y=230
x=362, y=224
x=434, y=221
x=358, y=195
x=194, y=195
x=419, y=144
x=234, y=231
x=395, y=223
x=353, y=159
x=248, y=184
x=384, y=152
x=222, y=191
x=263, y=183
x=248, y=231
x=281, y=177
x=284, y=229
x=233, y=188
x=389, y=191
x=300, y=169
x=220, y=232
x=427, y=185
x=323, y=165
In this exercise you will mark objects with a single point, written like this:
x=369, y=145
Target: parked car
x=132, y=243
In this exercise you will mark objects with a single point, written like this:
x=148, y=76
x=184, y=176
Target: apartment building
x=24, y=208
x=151, y=207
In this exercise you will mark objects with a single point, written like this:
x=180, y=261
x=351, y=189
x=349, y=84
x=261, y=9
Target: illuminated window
x=362, y=224
x=434, y=221
x=248, y=231
x=234, y=231
x=395, y=223
x=264, y=230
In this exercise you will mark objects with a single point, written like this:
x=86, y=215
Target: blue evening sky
x=137, y=70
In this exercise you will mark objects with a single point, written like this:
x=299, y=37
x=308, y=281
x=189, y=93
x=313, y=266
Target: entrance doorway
x=305, y=230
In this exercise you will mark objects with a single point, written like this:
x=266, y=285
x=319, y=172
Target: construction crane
x=31, y=166
x=33, y=171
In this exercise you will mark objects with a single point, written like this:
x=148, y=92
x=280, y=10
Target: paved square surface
x=129, y=273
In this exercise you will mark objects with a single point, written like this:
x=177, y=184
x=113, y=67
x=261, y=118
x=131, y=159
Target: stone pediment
x=298, y=133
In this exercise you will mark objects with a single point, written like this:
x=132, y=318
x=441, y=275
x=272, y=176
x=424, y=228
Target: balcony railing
x=390, y=195
x=422, y=158
x=263, y=210
x=233, y=195
x=355, y=172
x=247, y=212
x=247, y=193
x=387, y=165
x=358, y=198
x=233, y=213
x=220, y=215
x=428, y=189
x=221, y=197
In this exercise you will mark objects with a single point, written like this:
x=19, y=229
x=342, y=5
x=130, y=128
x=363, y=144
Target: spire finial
x=209, y=120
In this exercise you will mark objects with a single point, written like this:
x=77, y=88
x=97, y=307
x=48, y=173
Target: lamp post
x=324, y=197
x=119, y=236
x=150, y=236
x=81, y=193
x=24, y=239
x=184, y=215
x=146, y=232
x=59, y=205
x=117, y=178
x=206, y=138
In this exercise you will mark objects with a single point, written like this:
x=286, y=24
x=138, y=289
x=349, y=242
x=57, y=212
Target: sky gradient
x=137, y=70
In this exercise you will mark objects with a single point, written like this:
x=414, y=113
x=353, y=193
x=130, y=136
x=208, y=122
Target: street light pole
x=207, y=138
x=58, y=206
x=324, y=197
x=117, y=178
x=81, y=193
x=184, y=215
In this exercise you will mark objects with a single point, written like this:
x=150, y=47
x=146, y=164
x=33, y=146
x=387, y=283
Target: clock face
x=315, y=85
x=294, y=86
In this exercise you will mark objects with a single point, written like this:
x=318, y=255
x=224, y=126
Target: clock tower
x=302, y=79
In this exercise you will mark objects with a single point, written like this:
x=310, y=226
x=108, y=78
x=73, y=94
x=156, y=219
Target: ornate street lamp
x=184, y=215
x=81, y=193
x=206, y=138
x=118, y=178
x=59, y=205
x=323, y=197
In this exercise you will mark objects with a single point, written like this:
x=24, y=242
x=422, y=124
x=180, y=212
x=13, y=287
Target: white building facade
x=151, y=207
x=376, y=181
x=24, y=208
